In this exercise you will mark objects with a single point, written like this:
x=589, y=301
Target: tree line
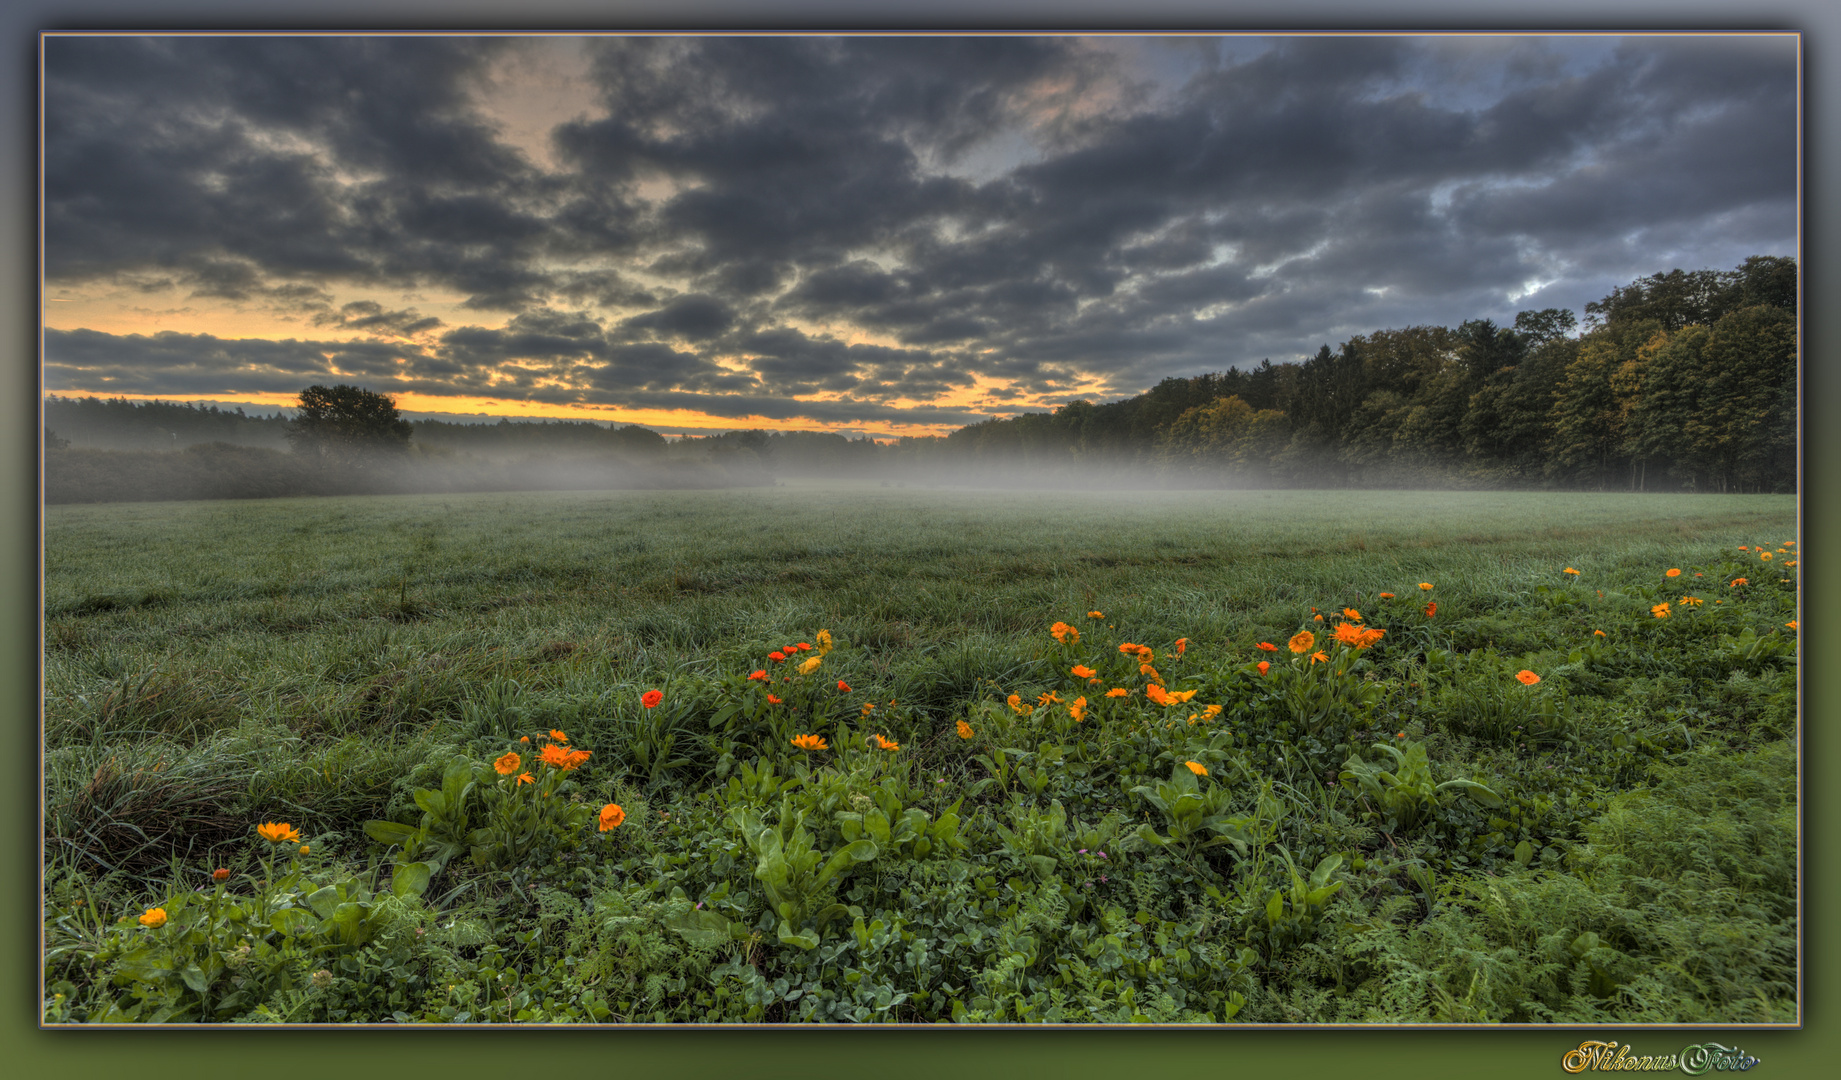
x=1677, y=381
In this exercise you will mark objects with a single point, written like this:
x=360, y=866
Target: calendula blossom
x=1387, y=596
x=1197, y=768
x=1211, y=712
x=1118, y=691
x=278, y=832
x=1081, y=671
x=153, y=918
x=1266, y=646
x=758, y=676
x=1095, y=615
x=1078, y=708
x=1431, y=609
x=1660, y=611
x=1181, y=644
x=824, y=642
x=1065, y=634
x=1599, y=633
x=1048, y=697
x=1765, y=555
x=1157, y=694
x=1690, y=601
x=1426, y=585
x=843, y=686
x=884, y=744
x=1673, y=572
x=1351, y=614
x=526, y=778
x=772, y=700
x=651, y=698
x=1570, y=570
x=810, y=742
x=811, y=664
x=1264, y=666
x=1150, y=672
x=1319, y=657
x=1738, y=581
x=1015, y=701
x=776, y=656
x=507, y=765
x=964, y=729
x=1791, y=624
x=611, y=817
x=557, y=736
x=1528, y=678
x=1302, y=641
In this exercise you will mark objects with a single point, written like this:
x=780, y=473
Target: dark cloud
x=724, y=213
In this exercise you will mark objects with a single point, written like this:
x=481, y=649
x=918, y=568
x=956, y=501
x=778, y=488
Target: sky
x=881, y=235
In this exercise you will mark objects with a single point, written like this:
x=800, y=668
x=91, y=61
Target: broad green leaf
x=410, y=879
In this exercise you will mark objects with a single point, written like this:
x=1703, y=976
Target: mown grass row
x=318, y=661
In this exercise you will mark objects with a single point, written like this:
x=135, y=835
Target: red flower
x=651, y=698
x=776, y=655
x=771, y=700
x=1431, y=609
x=844, y=686
x=759, y=676
x=1265, y=666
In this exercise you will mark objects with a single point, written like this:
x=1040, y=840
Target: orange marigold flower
x=1673, y=572
x=1399, y=734
x=1426, y=585
x=651, y=698
x=1742, y=547
x=1048, y=697
x=1181, y=644
x=1266, y=646
x=1015, y=701
x=220, y=874
x=1660, y=611
x=811, y=664
x=1431, y=609
x=884, y=744
x=1156, y=693
x=1211, y=712
x=1387, y=596
x=776, y=655
x=524, y=738
x=1570, y=570
x=278, y=832
x=1095, y=615
x=526, y=778
x=1690, y=601
x=1064, y=633
x=1348, y=633
x=611, y=817
x=810, y=742
x=1081, y=671
x=1078, y=708
x=1765, y=555
x=824, y=642
x=1265, y=666
x=153, y=918
x=1302, y=641
x=758, y=676
x=1351, y=614
x=1528, y=678
x=771, y=700
x=1319, y=657
x=553, y=756
x=1118, y=691
x=507, y=765
x=804, y=646
x=1738, y=581
x=558, y=736
x=1148, y=670
x=965, y=730
x=1791, y=624
x=843, y=686
x=1128, y=648
x=1197, y=768
x=1599, y=633
x=1316, y=618
x=1178, y=697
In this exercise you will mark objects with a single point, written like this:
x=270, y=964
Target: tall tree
x=347, y=425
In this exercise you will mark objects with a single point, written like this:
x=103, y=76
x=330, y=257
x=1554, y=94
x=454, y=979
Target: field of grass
x=1405, y=830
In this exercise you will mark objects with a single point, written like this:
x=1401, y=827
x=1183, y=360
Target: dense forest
x=1678, y=381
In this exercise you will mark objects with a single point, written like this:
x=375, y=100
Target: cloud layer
x=856, y=231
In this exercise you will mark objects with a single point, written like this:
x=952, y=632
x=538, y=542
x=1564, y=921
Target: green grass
x=210, y=665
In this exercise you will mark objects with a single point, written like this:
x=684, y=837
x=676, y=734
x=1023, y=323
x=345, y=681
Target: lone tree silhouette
x=346, y=424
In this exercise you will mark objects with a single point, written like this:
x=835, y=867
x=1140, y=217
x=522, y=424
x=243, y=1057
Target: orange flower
x=1599, y=633
x=1178, y=697
x=884, y=744
x=1156, y=693
x=965, y=730
x=771, y=700
x=554, y=756
x=1318, y=657
x=1210, y=712
x=1015, y=701
x=1048, y=697
x=1431, y=609
x=1095, y=615
x=507, y=765
x=776, y=655
x=611, y=817
x=1316, y=618
x=1528, y=678
x=1791, y=624
x=1266, y=646
x=1660, y=611
x=1078, y=709
x=1765, y=555
x=278, y=832
x=1742, y=547
x=651, y=698
x=1151, y=672
x=1399, y=734
x=220, y=874
x=804, y=646
x=1265, y=666
x=524, y=738
x=1387, y=596
x=1197, y=768
x=1065, y=634
x=1351, y=614
x=526, y=778
x=559, y=737
x=1081, y=671
x=1673, y=572
x=1181, y=644
x=1128, y=648
x=1570, y=570
x=1738, y=581
x=153, y=918
x=810, y=742
x=843, y=686
x=1690, y=601
x=1426, y=585
x=1348, y=633
x=1118, y=691
x=758, y=676
x=1302, y=641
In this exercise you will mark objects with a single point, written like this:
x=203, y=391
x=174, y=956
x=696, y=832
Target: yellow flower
x=810, y=742
x=278, y=832
x=824, y=642
x=884, y=744
x=1211, y=712
x=1197, y=768
x=153, y=917
x=1765, y=555
x=965, y=730
x=1690, y=601
x=1178, y=697
x=812, y=662
x=1302, y=641
x=1426, y=585
x=304, y=849
x=1570, y=570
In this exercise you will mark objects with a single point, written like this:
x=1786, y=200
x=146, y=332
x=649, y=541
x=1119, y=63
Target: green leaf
x=391, y=833
x=195, y=978
x=324, y=901
x=410, y=879
x=808, y=942
x=858, y=851
x=1524, y=853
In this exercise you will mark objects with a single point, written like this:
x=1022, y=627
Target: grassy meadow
x=1566, y=793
